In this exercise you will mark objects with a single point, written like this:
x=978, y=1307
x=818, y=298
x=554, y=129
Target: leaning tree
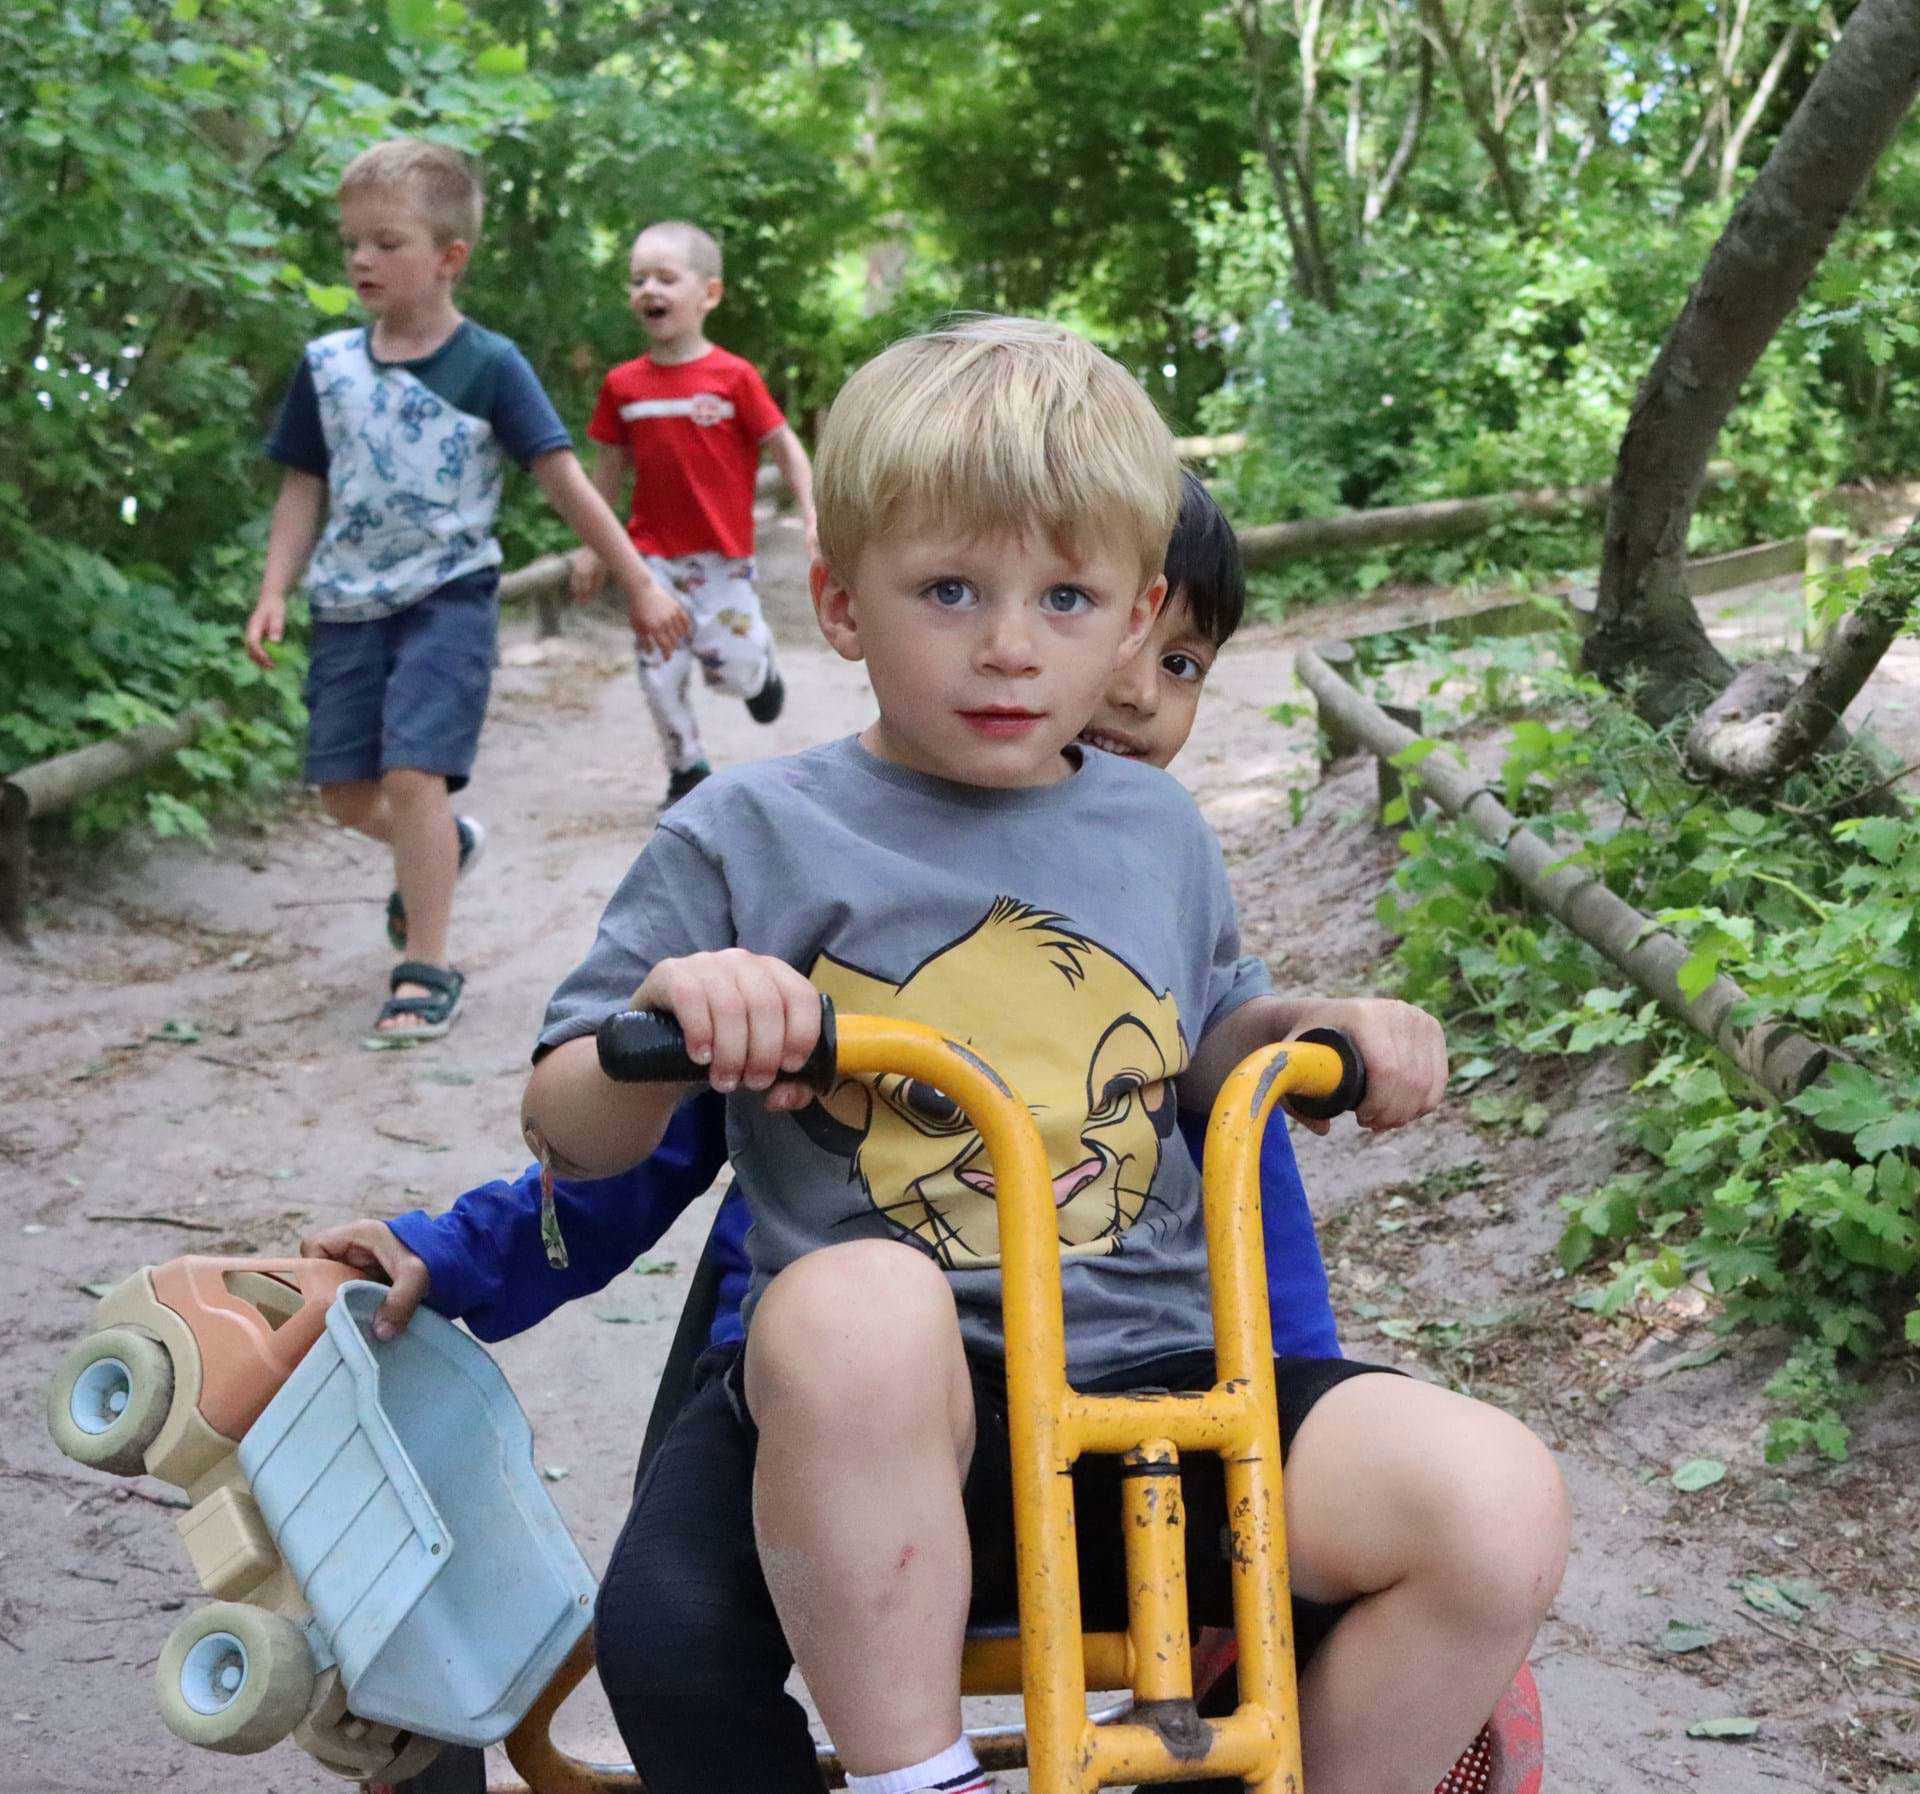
x=1645, y=631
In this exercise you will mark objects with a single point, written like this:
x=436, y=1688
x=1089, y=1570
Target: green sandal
x=435, y=1010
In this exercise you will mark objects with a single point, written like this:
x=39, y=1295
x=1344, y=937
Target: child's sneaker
x=684, y=781
x=472, y=835
x=770, y=699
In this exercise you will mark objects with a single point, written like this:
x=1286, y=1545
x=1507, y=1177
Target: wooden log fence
x=1780, y=1061
x=60, y=783
x=1454, y=616
x=1440, y=520
x=543, y=583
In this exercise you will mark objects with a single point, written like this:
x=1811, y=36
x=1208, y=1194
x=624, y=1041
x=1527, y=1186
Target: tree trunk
x=1644, y=624
x=1381, y=197
x=1312, y=271
x=1479, y=108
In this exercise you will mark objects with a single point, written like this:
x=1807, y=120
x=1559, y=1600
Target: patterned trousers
x=730, y=643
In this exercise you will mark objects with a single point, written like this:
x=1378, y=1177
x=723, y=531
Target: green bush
x=124, y=647
x=1813, y=918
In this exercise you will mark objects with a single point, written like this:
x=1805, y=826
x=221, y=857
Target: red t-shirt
x=694, y=430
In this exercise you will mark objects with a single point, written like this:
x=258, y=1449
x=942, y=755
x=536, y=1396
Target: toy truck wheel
x=235, y=1678
x=109, y=1399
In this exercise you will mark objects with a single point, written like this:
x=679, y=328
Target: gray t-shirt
x=1079, y=936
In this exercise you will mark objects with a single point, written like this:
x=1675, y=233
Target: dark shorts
x=409, y=690
x=988, y=1495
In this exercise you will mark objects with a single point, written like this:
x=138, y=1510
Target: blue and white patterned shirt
x=413, y=453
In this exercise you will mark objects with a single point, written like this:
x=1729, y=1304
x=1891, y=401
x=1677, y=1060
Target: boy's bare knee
x=864, y=1283
x=853, y=1333
x=1507, y=1530
x=1403, y=1484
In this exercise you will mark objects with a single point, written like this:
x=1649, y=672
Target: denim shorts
x=409, y=690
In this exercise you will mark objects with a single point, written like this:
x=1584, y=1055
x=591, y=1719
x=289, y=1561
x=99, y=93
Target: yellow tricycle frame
x=1162, y=1738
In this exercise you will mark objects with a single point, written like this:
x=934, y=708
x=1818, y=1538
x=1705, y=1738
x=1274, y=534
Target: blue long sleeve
x=1299, y=1303
x=486, y=1264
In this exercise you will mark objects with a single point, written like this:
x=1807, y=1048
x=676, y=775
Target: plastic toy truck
x=389, y=1572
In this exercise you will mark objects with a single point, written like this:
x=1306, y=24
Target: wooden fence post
x=15, y=863
x=1336, y=740
x=1392, y=783
x=1826, y=553
x=545, y=582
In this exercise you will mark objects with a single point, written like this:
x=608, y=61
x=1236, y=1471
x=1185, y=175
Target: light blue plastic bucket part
x=397, y=1479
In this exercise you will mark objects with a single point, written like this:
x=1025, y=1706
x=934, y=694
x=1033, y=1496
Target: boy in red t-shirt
x=682, y=429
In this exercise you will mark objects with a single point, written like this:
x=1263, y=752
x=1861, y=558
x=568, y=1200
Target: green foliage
x=1475, y=357
x=166, y=241
x=123, y=649
x=1812, y=1394
x=1814, y=920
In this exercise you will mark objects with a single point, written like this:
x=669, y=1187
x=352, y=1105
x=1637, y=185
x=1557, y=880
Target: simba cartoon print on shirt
x=1080, y=1035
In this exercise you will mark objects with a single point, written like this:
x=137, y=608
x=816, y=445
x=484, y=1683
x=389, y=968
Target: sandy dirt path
x=262, y=1118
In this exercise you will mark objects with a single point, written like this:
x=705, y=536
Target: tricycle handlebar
x=646, y=1046
x=1352, y=1090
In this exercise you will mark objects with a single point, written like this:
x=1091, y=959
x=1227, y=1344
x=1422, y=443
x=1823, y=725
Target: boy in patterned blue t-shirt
x=394, y=437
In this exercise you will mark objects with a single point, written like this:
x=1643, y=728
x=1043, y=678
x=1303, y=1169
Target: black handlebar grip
x=1353, y=1079
x=646, y=1046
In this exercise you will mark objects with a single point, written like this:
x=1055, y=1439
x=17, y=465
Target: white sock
x=956, y=1770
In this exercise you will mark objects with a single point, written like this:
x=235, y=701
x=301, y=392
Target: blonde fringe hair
x=995, y=424
x=435, y=179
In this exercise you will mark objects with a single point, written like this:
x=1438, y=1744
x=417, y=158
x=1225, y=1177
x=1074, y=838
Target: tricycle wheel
x=235, y=1678
x=109, y=1399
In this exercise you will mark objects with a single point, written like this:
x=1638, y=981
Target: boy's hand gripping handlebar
x=646, y=1046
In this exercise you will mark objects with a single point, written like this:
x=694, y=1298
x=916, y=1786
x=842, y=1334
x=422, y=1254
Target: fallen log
x=1775, y=1057
x=1440, y=520
x=61, y=782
